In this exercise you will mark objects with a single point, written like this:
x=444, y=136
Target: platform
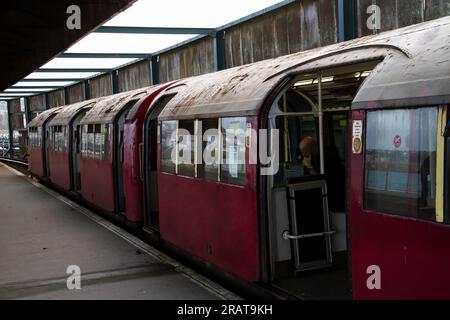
x=42, y=233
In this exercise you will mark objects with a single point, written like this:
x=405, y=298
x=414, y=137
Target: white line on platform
x=197, y=278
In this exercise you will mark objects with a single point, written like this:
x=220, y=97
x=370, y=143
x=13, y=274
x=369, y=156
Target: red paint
x=132, y=138
x=197, y=214
x=414, y=255
x=36, y=161
x=59, y=163
x=97, y=180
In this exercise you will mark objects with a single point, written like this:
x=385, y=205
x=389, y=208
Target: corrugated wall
x=100, y=86
x=56, y=98
x=400, y=13
x=76, y=93
x=134, y=76
x=303, y=25
x=191, y=60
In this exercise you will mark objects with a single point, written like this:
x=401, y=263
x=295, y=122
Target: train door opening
x=307, y=197
x=76, y=151
x=45, y=146
x=119, y=157
x=150, y=163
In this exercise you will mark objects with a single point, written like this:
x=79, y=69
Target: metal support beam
x=220, y=50
x=10, y=130
x=66, y=96
x=155, y=70
x=87, y=90
x=104, y=55
x=154, y=30
x=27, y=110
x=11, y=97
x=21, y=92
x=347, y=19
x=36, y=87
x=46, y=102
x=46, y=70
x=114, y=81
x=51, y=80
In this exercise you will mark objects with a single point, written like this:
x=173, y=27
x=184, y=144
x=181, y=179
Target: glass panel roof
x=146, y=13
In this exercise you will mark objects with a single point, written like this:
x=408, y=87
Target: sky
x=150, y=13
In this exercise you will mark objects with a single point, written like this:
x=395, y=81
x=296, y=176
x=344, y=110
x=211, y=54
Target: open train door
x=118, y=146
x=150, y=162
x=307, y=197
x=76, y=132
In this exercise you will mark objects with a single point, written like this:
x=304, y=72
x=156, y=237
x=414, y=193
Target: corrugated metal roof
x=39, y=120
x=416, y=65
x=105, y=110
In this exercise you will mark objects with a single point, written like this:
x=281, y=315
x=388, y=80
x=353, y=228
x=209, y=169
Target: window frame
x=198, y=140
x=405, y=214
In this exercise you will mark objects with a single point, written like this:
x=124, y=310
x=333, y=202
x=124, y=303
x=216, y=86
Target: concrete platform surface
x=42, y=233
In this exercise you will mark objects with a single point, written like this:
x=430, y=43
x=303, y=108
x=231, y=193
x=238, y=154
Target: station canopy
x=144, y=29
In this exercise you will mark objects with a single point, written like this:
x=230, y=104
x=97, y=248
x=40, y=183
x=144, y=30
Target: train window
x=98, y=142
x=35, y=137
x=233, y=136
x=105, y=141
x=400, y=170
x=90, y=141
x=209, y=167
x=168, y=144
x=84, y=141
x=292, y=129
x=186, y=144
x=59, y=138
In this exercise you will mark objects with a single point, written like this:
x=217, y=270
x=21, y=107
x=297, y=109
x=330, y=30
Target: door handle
x=287, y=236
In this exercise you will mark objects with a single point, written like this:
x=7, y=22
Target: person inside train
x=334, y=170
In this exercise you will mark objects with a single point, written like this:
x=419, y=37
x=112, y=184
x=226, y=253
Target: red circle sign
x=397, y=141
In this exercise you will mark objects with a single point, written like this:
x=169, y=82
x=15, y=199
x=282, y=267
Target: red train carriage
x=64, y=146
x=102, y=151
x=285, y=219
x=131, y=162
x=38, y=146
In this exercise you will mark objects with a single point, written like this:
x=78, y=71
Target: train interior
x=307, y=196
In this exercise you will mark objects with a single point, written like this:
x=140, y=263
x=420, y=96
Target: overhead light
x=325, y=79
x=303, y=83
x=365, y=74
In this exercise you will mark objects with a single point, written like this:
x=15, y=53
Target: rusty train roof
x=105, y=110
x=414, y=70
x=39, y=120
x=66, y=114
